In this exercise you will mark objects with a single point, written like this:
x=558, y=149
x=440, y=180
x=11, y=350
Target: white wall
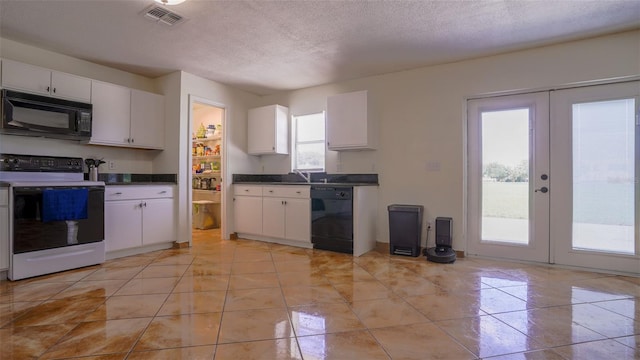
x=422, y=116
x=176, y=158
x=126, y=160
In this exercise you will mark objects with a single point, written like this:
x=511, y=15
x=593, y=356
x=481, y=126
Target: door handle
x=543, y=190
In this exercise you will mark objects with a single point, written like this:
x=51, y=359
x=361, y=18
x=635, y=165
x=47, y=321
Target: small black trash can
x=405, y=229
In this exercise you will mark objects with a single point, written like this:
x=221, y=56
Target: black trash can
x=405, y=229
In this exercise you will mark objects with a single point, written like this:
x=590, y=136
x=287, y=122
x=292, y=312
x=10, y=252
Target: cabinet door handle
x=298, y=192
x=48, y=89
x=132, y=140
x=247, y=190
x=273, y=148
x=118, y=193
x=162, y=192
x=270, y=191
x=54, y=90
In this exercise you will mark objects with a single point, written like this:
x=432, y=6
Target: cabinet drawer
x=4, y=197
x=300, y=192
x=247, y=190
x=132, y=192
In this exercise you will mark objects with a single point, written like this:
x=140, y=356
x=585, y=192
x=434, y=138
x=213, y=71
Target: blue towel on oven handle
x=64, y=204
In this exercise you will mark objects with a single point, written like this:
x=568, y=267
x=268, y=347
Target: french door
x=595, y=147
x=553, y=177
x=508, y=144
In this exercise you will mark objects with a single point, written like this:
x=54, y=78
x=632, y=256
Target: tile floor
x=251, y=300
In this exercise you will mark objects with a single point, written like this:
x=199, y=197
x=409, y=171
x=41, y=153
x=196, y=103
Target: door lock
x=543, y=190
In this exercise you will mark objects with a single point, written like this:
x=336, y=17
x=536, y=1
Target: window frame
x=294, y=141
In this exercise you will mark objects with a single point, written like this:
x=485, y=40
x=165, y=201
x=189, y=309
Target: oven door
x=31, y=233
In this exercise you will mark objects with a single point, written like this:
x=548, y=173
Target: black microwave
x=43, y=116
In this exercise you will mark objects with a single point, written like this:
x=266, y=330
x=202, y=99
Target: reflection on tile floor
x=244, y=299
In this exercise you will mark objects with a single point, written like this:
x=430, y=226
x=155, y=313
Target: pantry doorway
x=206, y=161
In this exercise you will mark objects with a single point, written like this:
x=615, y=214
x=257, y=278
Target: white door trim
x=226, y=176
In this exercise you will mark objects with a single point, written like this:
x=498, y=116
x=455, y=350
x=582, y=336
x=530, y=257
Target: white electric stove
x=40, y=244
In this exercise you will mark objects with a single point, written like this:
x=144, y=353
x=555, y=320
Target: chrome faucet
x=306, y=177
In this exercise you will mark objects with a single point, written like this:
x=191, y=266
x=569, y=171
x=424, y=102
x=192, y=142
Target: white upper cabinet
x=126, y=117
x=147, y=119
x=350, y=124
x=41, y=81
x=111, y=114
x=268, y=130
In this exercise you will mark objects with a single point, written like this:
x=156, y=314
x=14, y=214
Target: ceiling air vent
x=158, y=13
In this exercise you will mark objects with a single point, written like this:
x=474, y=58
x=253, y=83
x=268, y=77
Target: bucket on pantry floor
x=203, y=215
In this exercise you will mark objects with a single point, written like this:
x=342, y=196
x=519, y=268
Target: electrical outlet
x=433, y=165
x=112, y=164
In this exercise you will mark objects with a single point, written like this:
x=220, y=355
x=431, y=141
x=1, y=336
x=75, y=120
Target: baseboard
x=138, y=250
x=382, y=247
x=180, y=245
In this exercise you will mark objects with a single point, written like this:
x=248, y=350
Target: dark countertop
x=137, y=179
x=318, y=178
x=138, y=183
x=305, y=184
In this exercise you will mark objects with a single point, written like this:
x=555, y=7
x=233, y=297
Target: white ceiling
x=269, y=46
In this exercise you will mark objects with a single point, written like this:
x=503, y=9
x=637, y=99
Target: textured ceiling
x=269, y=46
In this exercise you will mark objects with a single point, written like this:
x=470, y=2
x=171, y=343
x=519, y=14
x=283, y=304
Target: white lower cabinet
x=284, y=213
x=157, y=221
x=287, y=212
x=138, y=215
x=247, y=209
x=273, y=217
x=4, y=229
x=122, y=224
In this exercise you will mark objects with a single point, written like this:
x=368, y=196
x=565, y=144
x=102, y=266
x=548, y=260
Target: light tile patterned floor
x=251, y=300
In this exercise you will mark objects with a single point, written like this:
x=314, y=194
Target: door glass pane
x=505, y=176
x=603, y=135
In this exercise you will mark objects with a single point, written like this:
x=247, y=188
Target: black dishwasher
x=332, y=218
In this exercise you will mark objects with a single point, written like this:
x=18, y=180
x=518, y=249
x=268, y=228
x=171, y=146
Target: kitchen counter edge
x=141, y=183
x=306, y=184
